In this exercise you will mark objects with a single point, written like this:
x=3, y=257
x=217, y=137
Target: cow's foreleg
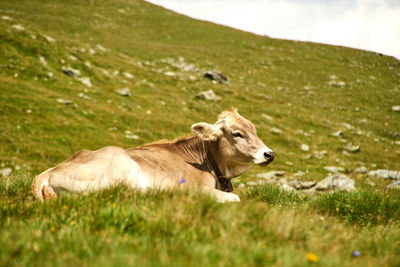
x=221, y=196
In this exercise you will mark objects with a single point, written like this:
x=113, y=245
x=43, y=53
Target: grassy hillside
x=295, y=92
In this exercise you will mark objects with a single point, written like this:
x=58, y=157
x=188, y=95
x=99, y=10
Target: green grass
x=287, y=80
x=363, y=207
x=120, y=226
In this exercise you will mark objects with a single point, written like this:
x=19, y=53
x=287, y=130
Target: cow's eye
x=237, y=134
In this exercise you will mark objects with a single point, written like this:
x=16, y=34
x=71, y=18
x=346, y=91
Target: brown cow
x=207, y=161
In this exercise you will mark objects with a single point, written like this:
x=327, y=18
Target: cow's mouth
x=265, y=163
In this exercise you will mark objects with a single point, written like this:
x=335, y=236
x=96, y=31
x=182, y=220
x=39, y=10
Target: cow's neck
x=204, y=155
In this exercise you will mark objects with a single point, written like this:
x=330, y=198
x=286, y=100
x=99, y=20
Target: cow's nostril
x=269, y=156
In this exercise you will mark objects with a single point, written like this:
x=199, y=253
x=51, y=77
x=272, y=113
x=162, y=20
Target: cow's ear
x=207, y=132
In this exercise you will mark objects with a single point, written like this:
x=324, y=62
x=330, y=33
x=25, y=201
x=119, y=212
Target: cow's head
x=238, y=146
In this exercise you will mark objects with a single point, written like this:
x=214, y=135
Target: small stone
x=337, y=181
x=101, y=48
x=128, y=75
x=216, y=76
x=64, y=101
x=282, y=181
x=334, y=169
x=6, y=18
x=267, y=117
x=385, y=174
x=295, y=184
x=91, y=51
x=287, y=187
x=307, y=184
x=394, y=185
x=338, y=134
x=265, y=97
x=396, y=108
x=271, y=174
x=299, y=174
x=276, y=131
x=337, y=83
x=5, y=172
x=361, y=169
x=49, y=38
x=208, y=95
x=370, y=183
x=305, y=147
x=18, y=27
x=43, y=60
x=170, y=74
x=71, y=72
x=130, y=135
x=352, y=148
x=320, y=154
x=124, y=92
x=82, y=95
x=86, y=81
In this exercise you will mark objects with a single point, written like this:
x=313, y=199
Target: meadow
x=296, y=93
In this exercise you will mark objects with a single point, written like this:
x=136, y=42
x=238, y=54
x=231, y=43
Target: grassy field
x=295, y=92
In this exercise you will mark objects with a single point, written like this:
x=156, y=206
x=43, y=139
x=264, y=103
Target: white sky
x=366, y=24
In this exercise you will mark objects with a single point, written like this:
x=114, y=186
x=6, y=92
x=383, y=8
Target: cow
x=206, y=160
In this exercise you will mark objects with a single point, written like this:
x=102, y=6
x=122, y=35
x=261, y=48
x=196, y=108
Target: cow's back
x=93, y=170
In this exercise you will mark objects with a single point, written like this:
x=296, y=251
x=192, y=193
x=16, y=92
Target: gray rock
x=334, y=169
x=270, y=174
x=276, y=131
x=394, y=185
x=299, y=174
x=101, y=48
x=361, y=169
x=396, y=108
x=352, y=148
x=86, y=81
x=320, y=154
x=295, y=184
x=71, y=72
x=216, y=76
x=282, y=181
x=124, y=92
x=338, y=134
x=307, y=185
x=208, y=95
x=128, y=75
x=305, y=147
x=385, y=174
x=287, y=187
x=255, y=183
x=64, y=101
x=5, y=172
x=130, y=135
x=267, y=117
x=337, y=181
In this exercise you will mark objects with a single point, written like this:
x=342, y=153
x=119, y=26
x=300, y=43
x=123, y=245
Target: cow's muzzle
x=269, y=156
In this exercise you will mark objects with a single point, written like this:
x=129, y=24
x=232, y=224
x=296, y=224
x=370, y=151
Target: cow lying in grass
x=206, y=161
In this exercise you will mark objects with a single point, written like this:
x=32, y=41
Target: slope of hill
x=61, y=64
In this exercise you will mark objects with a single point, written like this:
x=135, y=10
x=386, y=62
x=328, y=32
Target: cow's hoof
x=229, y=197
